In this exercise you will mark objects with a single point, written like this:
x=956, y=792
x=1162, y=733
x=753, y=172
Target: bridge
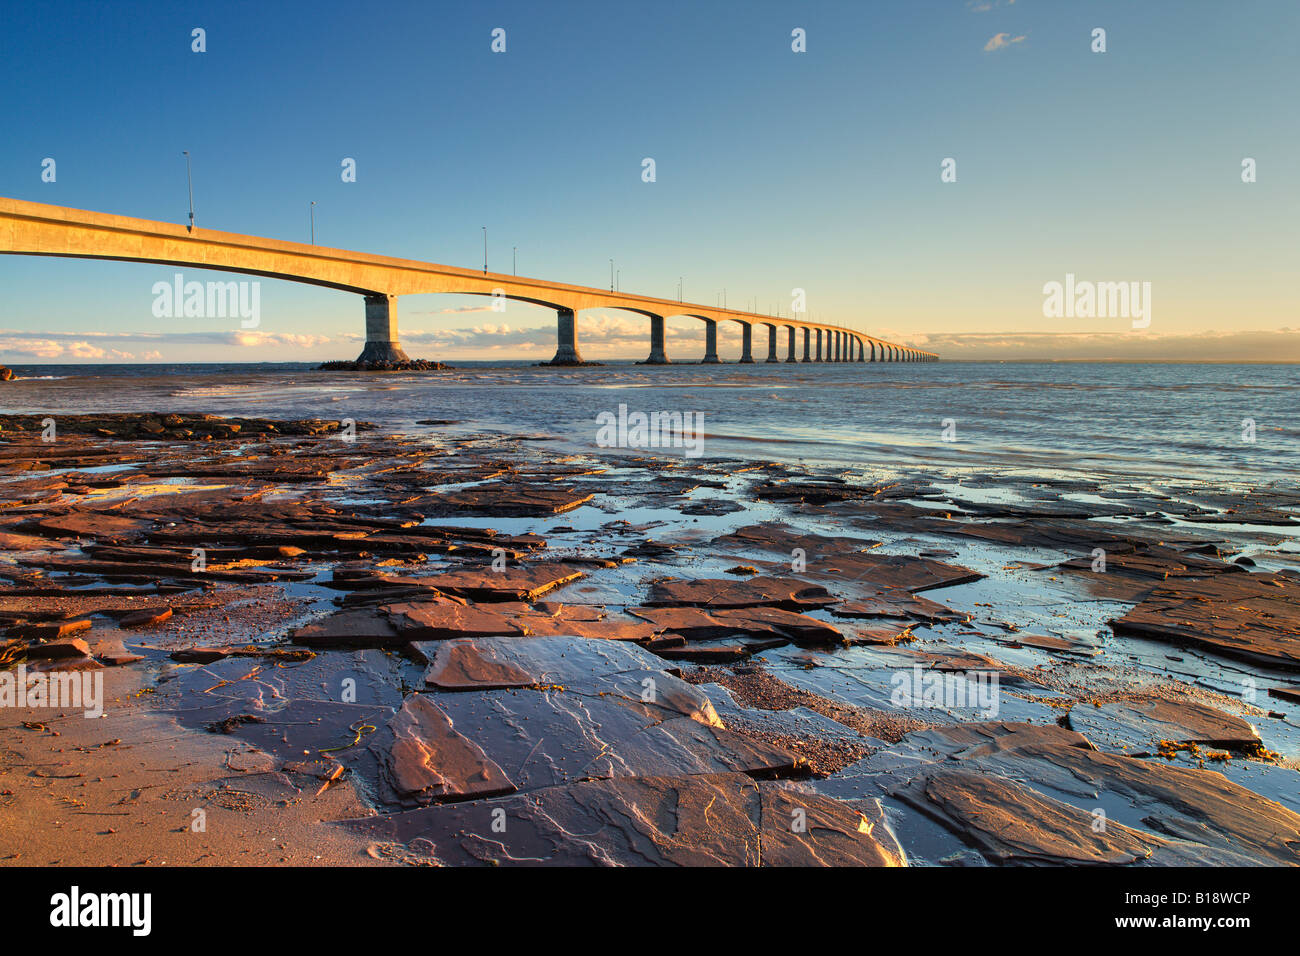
x=37, y=229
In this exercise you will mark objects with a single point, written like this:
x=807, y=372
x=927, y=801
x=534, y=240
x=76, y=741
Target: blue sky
x=774, y=169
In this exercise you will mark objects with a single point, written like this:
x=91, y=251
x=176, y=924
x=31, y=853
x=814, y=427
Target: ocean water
x=1225, y=425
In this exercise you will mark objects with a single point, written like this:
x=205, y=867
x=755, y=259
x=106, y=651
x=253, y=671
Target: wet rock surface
x=695, y=820
x=1146, y=724
x=504, y=654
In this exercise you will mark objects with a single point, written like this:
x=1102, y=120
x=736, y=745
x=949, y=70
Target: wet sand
x=325, y=647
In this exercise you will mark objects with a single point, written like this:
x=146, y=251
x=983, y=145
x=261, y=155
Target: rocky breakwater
x=396, y=365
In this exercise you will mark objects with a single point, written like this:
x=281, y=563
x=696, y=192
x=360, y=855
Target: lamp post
x=611, y=275
x=679, y=288
x=485, y=250
x=189, y=178
x=313, y=222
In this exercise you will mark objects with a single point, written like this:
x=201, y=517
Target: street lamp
x=485, y=250
x=679, y=288
x=189, y=179
x=313, y=222
x=611, y=275
x=618, y=280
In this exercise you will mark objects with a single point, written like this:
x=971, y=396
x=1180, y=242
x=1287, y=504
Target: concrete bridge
x=35, y=229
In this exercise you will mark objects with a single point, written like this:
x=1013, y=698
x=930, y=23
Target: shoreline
x=499, y=604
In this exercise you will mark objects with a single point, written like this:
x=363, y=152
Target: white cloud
x=87, y=346
x=1000, y=40
x=1282, y=345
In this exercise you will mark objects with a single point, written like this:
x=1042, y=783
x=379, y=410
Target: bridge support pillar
x=807, y=348
x=790, y=356
x=566, y=339
x=747, y=349
x=771, y=344
x=657, y=354
x=710, y=343
x=381, y=331
x=818, y=357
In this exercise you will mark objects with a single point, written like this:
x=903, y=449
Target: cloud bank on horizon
x=616, y=337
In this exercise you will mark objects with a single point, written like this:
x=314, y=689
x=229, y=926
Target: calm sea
x=1222, y=424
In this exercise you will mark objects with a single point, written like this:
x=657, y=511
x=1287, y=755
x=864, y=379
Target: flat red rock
x=428, y=760
x=440, y=620
x=1252, y=617
x=59, y=649
x=518, y=583
x=719, y=593
x=49, y=632
x=700, y=624
x=147, y=618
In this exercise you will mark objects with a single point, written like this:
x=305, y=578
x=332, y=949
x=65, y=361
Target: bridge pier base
x=381, y=331
x=819, y=346
x=807, y=337
x=710, y=343
x=747, y=350
x=790, y=356
x=771, y=344
x=658, y=355
x=566, y=339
